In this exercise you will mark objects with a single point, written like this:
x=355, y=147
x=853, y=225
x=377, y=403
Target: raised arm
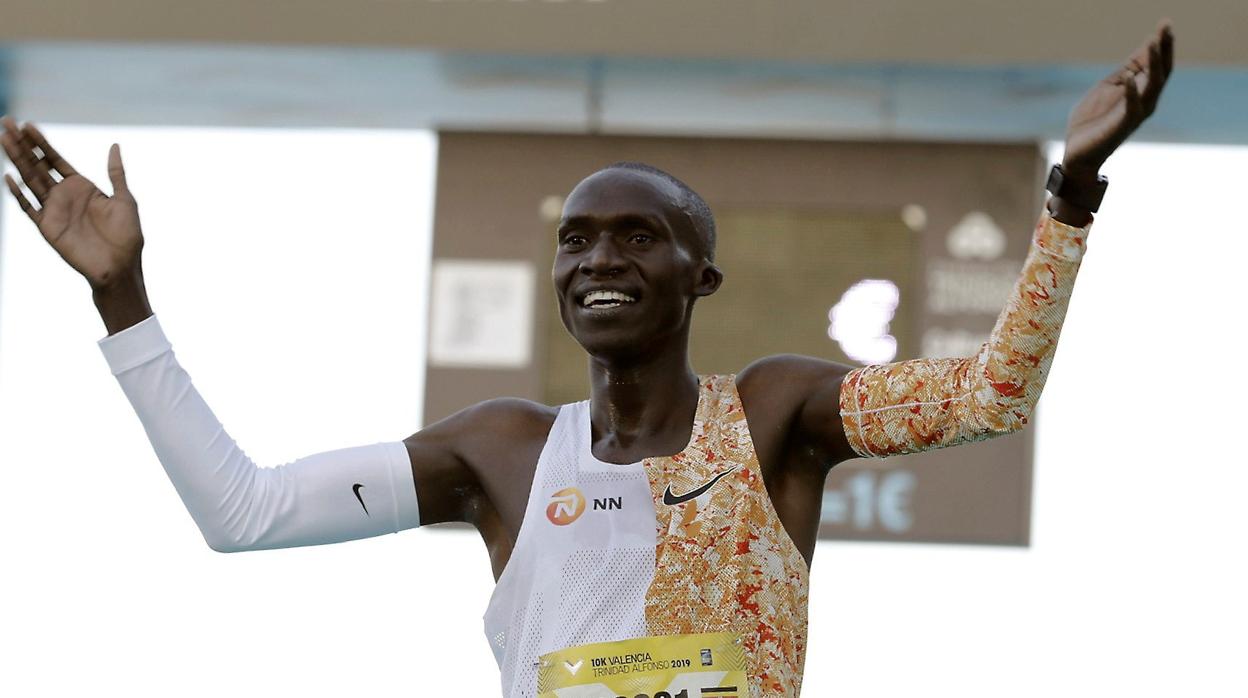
x=431, y=477
x=923, y=404
x=324, y=498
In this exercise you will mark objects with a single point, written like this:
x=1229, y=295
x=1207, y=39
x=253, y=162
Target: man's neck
x=642, y=407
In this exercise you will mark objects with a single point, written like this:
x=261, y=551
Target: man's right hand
x=98, y=235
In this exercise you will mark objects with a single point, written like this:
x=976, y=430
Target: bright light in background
x=290, y=271
x=859, y=321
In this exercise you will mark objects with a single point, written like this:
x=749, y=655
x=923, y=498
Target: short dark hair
x=691, y=203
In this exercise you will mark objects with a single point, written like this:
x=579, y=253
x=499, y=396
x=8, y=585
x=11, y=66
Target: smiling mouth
x=606, y=300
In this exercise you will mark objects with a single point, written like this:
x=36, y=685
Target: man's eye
x=574, y=240
x=641, y=238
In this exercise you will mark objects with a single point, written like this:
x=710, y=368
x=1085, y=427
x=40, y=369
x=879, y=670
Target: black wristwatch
x=1090, y=200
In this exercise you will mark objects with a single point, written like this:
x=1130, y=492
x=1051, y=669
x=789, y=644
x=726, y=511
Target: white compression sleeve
x=325, y=498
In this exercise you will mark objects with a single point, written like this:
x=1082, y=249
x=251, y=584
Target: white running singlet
x=676, y=545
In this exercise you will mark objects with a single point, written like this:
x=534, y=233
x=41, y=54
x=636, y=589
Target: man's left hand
x=1117, y=105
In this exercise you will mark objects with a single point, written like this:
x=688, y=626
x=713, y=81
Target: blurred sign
x=482, y=313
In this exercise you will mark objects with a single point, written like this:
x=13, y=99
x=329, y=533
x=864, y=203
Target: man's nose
x=603, y=259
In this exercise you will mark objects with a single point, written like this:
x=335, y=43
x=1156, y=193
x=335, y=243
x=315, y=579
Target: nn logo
x=608, y=503
x=565, y=506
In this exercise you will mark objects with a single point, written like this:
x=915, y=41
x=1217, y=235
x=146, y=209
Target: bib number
x=708, y=665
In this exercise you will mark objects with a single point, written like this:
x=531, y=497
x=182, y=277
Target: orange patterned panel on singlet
x=723, y=560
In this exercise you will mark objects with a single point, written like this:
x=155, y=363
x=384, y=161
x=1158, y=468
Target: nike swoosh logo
x=672, y=500
x=356, y=489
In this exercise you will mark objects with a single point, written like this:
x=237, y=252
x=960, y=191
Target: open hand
x=1117, y=105
x=98, y=235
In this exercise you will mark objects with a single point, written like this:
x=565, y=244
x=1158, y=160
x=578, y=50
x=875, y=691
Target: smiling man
x=654, y=540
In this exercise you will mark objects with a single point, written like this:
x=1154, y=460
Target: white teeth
x=605, y=298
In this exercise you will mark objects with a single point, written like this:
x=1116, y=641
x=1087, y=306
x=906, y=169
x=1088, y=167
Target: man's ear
x=709, y=279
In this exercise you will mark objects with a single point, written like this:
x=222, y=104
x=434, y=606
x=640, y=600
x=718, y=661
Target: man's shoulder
x=791, y=374
x=788, y=397
x=510, y=416
x=784, y=386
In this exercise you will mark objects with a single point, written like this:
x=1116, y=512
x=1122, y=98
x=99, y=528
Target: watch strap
x=1085, y=198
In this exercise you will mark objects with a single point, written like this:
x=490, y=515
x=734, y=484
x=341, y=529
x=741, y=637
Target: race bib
x=710, y=665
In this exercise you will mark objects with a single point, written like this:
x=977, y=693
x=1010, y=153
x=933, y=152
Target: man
x=655, y=539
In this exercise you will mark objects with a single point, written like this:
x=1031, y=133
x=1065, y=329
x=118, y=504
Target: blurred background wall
x=306, y=168
x=967, y=69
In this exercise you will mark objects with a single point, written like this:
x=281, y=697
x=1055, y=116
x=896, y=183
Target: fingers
x=1137, y=62
x=1121, y=76
x=1148, y=68
x=1160, y=65
x=40, y=178
x=117, y=172
x=54, y=158
x=27, y=207
x=1153, y=78
x=1134, y=103
x=21, y=150
x=1166, y=41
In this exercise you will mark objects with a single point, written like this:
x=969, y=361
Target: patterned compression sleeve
x=927, y=404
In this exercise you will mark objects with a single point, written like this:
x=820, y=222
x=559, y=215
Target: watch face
x=1091, y=200
x=1055, y=180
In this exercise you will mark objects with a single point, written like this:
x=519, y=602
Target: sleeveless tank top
x=682, y=544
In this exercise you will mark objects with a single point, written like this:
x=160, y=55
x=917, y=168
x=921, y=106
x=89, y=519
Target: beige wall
x=958, y=31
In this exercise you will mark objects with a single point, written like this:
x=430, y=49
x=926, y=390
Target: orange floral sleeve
x=926, y=404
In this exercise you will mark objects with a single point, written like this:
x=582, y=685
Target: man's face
x=628, y=266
